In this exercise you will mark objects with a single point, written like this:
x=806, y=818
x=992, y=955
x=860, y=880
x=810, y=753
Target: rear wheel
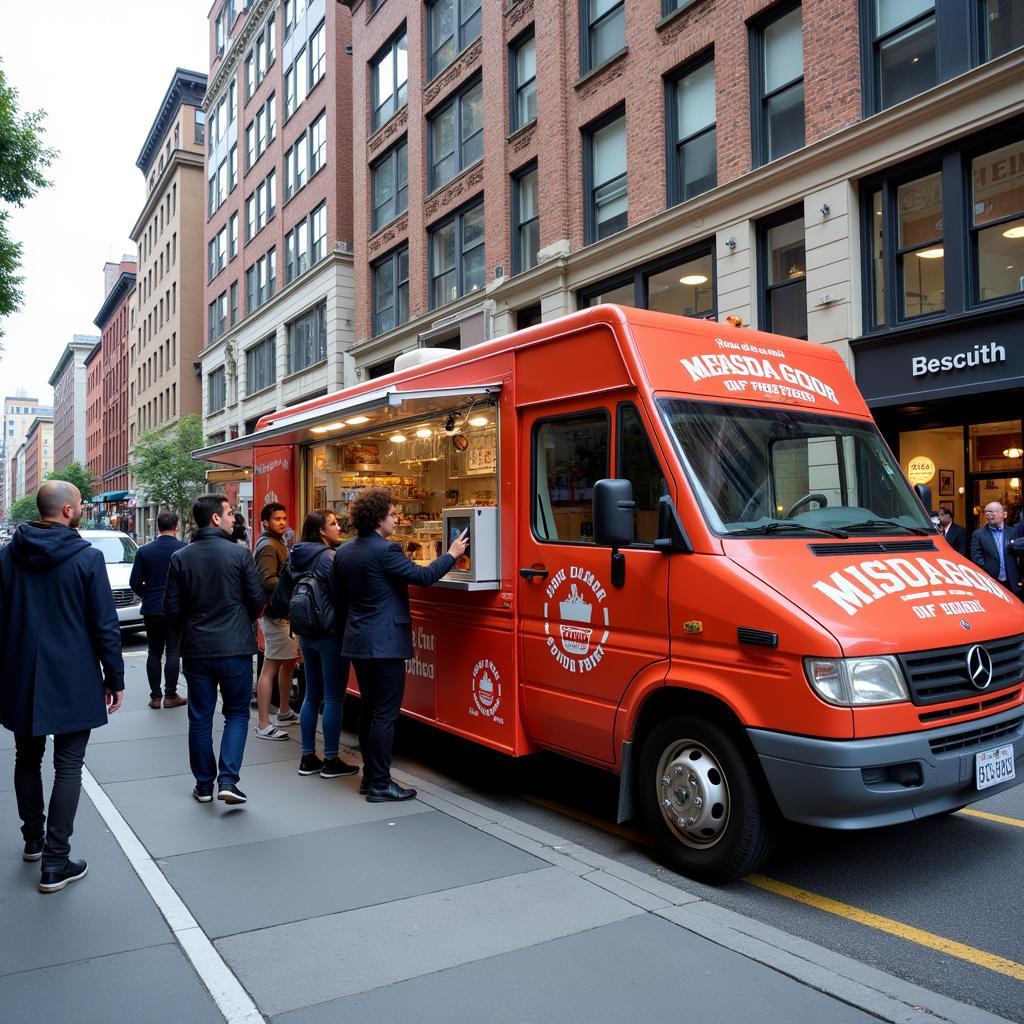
x=702, y=802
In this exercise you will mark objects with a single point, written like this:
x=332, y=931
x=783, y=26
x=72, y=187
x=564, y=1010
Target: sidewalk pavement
x=326, y=908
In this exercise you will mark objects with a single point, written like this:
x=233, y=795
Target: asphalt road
x=954, y=878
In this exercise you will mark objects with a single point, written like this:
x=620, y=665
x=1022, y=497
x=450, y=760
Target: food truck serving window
x=569, y=455
x=765, y=472
x=445, y=458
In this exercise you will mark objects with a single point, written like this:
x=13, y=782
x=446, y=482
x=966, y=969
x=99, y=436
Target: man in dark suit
x=370, y=586
x=58, y=627
x=990, y=546
x=148, y=579
x=956, y=536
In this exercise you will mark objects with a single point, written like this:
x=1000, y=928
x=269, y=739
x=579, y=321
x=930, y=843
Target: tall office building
x=68, y=381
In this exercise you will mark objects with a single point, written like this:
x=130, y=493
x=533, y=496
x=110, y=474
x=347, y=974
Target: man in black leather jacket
x=212, y=599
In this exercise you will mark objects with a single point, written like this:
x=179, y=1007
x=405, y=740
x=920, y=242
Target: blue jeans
x=326, y=676
x=204, y=676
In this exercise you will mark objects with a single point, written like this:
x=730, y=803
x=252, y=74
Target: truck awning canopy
x=331, y=421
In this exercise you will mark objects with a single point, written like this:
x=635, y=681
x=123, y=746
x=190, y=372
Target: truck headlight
x=852, y=682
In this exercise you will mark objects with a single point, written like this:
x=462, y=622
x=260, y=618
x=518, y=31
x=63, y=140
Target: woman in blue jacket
x=326, y=672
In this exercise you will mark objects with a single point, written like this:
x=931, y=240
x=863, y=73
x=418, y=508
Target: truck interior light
x=424, y=432
x=479, y=421
x=397, y=438
x=356, y=420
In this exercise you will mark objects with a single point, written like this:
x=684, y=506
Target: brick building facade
x=94, y=412
x=279, y=302
x=38, y=453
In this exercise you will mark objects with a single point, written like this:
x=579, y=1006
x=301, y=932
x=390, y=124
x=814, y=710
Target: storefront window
x=620, y=295
x=427, y=467
x=685, y=289
x=997, y=207
x=877, y=258
x=920, y=250
x=996, y=453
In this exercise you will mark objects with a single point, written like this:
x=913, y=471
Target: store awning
x=101, y=499
x=332, y=421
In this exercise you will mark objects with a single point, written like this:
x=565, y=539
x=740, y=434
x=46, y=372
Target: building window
x=261, y=206
x=296, y=251
x=451, y=26
x=295, y=86
x=261, y=131
x=389, y=73
x=784, y=274
x=391, y=290
x=296, y=169
x=457, y=256
x=390, y=185
x=218, y=316
x=317, y=55
x=777, y=76
x=294, y=12
x=317, y=143
x=693, y=139
x=602, y=31
x=525, y=220
x=260, y=371
x=216, y=390
x=318, y=233
x=259, y=58
x=523, y=81
x=605, y=180
x=1002, y=27
x=234, y=303
x=233, y=236
x=307, y=339
x=456, y=135
x=682, y=284
x=904, y=51
x=261, y=281
x=922, y=260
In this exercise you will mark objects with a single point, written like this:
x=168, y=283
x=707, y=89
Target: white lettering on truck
x=857, y=586
x=728, y=364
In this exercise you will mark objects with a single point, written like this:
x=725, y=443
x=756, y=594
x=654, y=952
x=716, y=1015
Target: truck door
x=581, y=639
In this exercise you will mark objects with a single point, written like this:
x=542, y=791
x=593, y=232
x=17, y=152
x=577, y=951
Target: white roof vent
x=418, y=356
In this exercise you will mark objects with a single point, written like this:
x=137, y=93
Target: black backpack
x=310, y=613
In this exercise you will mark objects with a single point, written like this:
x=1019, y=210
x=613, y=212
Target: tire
x=718, y=825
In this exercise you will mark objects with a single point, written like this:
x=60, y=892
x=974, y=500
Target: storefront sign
x=980, y=355
x=920, y=470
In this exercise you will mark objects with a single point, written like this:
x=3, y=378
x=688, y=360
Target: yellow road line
x=1001, y=818
x=589, y=819
x=978, y=957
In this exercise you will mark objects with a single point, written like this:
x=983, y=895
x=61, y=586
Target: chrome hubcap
x=693, y=794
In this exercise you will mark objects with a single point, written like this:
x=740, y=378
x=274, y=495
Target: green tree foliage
x=164, y=470
x=77, y=474
x=23, y=158
x=24, y=509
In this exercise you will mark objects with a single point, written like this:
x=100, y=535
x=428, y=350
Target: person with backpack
x=307, y=579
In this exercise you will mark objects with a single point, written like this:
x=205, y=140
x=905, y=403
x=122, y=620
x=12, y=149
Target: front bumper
x=850, y=784
x=129, y=616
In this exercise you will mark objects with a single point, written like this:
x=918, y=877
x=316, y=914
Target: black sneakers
x=231, y=795
x=335, y=768
x=33, y=849
x=309, y=764
x=203, y=794
x=54, y=879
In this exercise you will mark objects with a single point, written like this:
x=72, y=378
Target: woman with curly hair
x=370, y=586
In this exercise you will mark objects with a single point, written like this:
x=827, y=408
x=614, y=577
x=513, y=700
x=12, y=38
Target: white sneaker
x=283, y=721
x=271, y=732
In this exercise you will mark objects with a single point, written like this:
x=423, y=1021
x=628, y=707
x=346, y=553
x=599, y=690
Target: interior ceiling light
x=479, y=421
x=1017, y=231
x=397, y=438
x=1013, y=453
x=318, y=430
x=424, y=432
x=356, y=420
x=334, y=426
x=931, y=254
x=693, y=279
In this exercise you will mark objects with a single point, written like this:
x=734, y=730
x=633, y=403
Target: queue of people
x=63, y=675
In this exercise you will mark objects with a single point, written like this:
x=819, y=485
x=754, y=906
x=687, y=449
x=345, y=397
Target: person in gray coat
x=370, y=587
x=61, y=670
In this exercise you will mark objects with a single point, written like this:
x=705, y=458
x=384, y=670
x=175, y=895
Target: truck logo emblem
x=979, y=667
x=576, y=619
x=486, y=690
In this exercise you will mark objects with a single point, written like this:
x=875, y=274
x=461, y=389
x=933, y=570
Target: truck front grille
x=942, y=675
x=982, y=736
x=123, y=598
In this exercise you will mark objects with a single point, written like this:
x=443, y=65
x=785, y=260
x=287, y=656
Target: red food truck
x=693, y=562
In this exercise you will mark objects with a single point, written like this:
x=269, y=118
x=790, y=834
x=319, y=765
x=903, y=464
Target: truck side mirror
x=924, y=495
x=613, y=509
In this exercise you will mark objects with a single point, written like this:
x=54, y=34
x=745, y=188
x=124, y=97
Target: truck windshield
x=779, y=472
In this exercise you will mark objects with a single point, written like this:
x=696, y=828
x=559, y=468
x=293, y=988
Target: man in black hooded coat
x=58, y=627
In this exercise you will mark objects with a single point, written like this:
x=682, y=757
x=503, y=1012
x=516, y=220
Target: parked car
x=119, y=552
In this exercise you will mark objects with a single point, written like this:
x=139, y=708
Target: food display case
x=478, y=569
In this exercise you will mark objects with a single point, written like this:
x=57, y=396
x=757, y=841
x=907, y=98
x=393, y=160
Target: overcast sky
x=99, y=69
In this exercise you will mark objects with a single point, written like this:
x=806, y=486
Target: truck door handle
x=528, y=574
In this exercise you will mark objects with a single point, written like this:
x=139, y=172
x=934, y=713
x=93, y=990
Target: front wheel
x=702, y=803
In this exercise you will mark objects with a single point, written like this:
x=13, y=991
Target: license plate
x=994, y=766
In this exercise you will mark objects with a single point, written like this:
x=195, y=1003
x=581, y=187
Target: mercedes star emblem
x=979, y=667
x=965, y=624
